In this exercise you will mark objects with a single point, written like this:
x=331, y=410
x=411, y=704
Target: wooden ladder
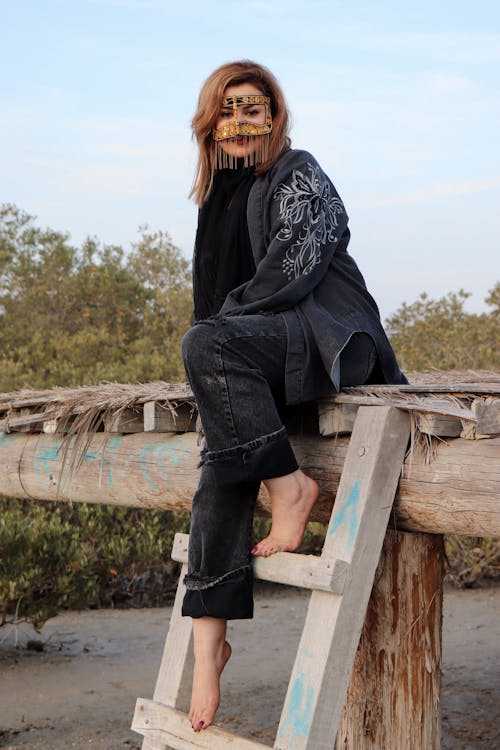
x=341, y=579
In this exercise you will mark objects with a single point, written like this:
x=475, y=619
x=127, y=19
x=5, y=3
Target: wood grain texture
x=173, y=685
x=457, y=491
x=158, y=418
x=338, y=419
x=322, y=669
x=125, y=421
x=393, y=699
x=290, y=568
x=488, y=416
x=164, y=724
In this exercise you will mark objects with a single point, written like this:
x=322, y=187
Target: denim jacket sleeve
x=307, y=219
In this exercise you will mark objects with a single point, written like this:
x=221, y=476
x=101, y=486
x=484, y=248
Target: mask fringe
x=258, y=154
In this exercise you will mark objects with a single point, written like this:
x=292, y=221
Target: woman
x=283, y=316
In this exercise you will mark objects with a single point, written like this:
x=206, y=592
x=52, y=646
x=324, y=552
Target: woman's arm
x=307, y=221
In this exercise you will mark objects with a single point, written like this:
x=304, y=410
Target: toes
x=266, y=547
x=201, y=722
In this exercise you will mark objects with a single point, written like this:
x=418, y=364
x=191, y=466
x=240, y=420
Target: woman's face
x=241, y=146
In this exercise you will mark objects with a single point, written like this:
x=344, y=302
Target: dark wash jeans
x=236, y=368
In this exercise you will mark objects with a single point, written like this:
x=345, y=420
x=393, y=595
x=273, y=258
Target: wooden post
x=393, y=699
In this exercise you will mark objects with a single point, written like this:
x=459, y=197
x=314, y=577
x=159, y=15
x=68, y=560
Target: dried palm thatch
x=107, y=395
x=81, y=412
x=111, y=397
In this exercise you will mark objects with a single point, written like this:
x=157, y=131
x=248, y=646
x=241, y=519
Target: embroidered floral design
x=307, y=200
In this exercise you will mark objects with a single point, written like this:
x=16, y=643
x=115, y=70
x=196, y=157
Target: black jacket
x=299, y=235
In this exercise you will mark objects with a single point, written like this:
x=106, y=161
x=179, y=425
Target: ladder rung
x=171, y=727
x=306, y=571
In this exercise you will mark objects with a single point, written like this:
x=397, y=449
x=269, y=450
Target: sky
x=398, y=101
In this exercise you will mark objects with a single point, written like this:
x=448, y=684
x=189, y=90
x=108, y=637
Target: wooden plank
x=173, y=685
x=393, y=700
x=158, y=418
x=23, y=426
x=491, y=387
x=290, y=568
x=166, y=725
x=19, y=403
x=125, y=421
x=323, y=665
x=24, y=420
x=427, y=405
x=453, y=489
x=338, y=419
x=441, y=426
x=487, y=412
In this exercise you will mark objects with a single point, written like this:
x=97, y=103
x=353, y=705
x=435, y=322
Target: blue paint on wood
x=42, y=459
x=295, y=727
x=45, y=456
x=158, y=457
x=7, y=438
x=347, y=515
x=109, y=454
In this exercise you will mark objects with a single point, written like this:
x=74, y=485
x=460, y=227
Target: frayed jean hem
x=264, y=457
x=194, y=582
x=230, y=597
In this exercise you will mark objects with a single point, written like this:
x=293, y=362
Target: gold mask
x=246, y=119
x=246, y=116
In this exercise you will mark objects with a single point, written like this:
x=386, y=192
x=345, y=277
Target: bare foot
x=205, y=695
x=292, y=499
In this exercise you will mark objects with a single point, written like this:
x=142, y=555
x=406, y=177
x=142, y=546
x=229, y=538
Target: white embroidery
x=307, y=200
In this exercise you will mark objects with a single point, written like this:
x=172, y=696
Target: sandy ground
x=80, y=691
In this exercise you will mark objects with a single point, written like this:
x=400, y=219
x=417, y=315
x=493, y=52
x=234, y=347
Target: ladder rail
x=341, y=579
x=321, y=673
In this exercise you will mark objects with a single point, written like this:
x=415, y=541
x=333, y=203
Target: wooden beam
x=439, y=425
x=158, y=418
x=23, y=420
x=488, y=416
x=306, y=571
x=125, y=421
x=393, y=700
x=456, y=491
x=420, y=404
x=338, y=419
x=172, y=728
x=487, y=387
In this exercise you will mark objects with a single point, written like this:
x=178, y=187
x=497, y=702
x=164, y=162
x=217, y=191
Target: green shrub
x=58, y=556
x=472, y=560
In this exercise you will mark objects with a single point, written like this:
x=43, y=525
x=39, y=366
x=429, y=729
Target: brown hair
x=209, y=104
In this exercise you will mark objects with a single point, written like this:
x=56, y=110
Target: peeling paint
x=295, y=727
x=347, y=515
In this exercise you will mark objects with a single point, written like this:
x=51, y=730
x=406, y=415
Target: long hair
x=209, y=105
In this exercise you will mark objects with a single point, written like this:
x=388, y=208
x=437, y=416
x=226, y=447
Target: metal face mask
x=247, y=115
